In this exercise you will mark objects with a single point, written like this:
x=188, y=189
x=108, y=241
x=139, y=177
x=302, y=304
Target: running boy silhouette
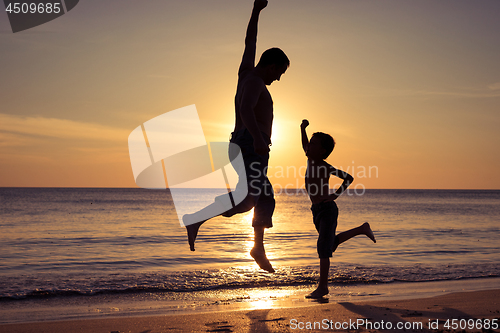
x=324, y=208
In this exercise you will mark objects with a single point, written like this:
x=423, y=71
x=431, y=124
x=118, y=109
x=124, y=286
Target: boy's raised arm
x=305, y=140
x=248, y=60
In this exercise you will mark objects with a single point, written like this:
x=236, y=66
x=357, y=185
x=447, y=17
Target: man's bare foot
x=192, y=231
x=368, y=231
x=320, y=292
x=260, y=258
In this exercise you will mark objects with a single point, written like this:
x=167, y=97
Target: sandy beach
x=475, y=311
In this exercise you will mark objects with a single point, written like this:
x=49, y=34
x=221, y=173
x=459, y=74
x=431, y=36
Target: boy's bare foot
x=320, y=292
x=260, y=258
x=192, y=231
x=368, y=231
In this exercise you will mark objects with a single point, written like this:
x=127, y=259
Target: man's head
x=326, y=141
x=273, y=62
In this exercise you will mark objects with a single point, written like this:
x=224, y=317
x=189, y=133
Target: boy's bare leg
x=258, y=252
x=324, y=269
x=324, y=263
x=363, y=229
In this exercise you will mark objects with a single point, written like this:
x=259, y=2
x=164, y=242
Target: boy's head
x=327, y=143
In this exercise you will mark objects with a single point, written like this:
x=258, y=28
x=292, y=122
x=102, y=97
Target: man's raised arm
x=248, y=61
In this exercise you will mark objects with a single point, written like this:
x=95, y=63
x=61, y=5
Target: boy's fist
x=304, y=124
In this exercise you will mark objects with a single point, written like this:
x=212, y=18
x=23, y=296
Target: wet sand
x=413, y=315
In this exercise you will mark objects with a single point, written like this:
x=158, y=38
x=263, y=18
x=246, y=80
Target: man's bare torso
x=263, y=110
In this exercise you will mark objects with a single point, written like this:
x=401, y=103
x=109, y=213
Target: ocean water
x=80, y=242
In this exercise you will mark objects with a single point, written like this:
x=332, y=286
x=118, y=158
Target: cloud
x=459, y=94
x=12, y=126
x=494, y=86
x=492, y=91
x=159, y=76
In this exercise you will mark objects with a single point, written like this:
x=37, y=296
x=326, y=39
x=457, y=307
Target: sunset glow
x=409, y=88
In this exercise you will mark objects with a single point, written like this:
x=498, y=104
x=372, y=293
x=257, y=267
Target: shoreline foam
x=247, y=299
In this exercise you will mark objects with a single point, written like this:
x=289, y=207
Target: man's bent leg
x=264, y=208
x=192, y=232
x=193, y=222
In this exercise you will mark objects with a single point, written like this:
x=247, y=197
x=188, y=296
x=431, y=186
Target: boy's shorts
x=325, y=216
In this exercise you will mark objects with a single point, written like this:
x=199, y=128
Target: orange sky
x=409, y=90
